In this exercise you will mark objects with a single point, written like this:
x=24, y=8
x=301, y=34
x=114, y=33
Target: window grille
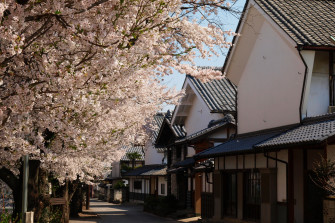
x=252, y=195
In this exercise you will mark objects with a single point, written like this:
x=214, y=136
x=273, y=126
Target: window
x=138, y=185
x=252, y=195
x=230, y=194
x=162, y=188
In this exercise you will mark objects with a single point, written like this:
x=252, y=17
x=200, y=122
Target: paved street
x=103, y=212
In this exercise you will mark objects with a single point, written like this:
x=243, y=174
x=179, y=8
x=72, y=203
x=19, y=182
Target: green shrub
x=6, y=217
x=118, y=185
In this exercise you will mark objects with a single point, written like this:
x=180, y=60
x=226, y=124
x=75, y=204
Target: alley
x=108, y=212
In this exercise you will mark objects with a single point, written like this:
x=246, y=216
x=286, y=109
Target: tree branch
x=9, y=178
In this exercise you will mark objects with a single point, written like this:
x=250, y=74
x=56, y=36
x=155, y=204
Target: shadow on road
x=103, y=212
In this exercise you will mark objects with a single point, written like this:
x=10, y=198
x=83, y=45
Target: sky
x=176, y=80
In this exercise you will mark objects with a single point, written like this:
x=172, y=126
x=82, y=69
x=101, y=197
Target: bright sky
x=176, y=80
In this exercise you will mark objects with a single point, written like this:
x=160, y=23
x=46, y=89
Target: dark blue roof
x=241, y=144
x=228, y=119
x=148, y=170
x=184, y=163
x=307, y=133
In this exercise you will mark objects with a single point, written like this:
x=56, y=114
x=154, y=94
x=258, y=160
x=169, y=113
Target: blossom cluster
x=79, y=78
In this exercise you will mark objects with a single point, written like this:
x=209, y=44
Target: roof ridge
x=307, y=22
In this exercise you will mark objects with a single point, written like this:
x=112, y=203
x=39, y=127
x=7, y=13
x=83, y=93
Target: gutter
x=304, y=85
x=327, y=48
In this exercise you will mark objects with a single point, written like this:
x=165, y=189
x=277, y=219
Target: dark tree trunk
x=14, y=183
x=36, y=183
x=76, y=202
x=38, y=197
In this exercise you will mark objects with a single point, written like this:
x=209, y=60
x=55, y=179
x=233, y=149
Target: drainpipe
x=304, y=85
x=286, y=167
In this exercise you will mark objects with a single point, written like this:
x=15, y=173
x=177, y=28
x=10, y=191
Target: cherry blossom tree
x=79, y=78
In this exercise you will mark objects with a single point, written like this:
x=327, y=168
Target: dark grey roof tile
x=219, y=95
x=133, y=149
x=228, y=119
x=241, y=144
x=310, y=133
x=148, y=170
x=184, y=163
x=307, y=22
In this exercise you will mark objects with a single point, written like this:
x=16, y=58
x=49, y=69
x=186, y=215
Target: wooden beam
x=290, y=187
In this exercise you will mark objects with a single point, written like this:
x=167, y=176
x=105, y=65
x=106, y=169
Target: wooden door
x=197, y=193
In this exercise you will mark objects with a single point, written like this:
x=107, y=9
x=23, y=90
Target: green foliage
x=125, y=168
x=134, y=156
x=118, y=185
x=324, y=175
x=6, y=217
x=161, y=206
x=51, y=215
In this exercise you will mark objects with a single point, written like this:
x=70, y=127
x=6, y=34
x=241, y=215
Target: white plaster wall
x=261, y=161
x=207, y=186
x=249, y=161
x=190, y=151
x=162, y=180
x=151, y=154
x=230, y=162
x=220, y=134
x=199, y=116
x=271, y=78
x=116, y=169
x=318, y=100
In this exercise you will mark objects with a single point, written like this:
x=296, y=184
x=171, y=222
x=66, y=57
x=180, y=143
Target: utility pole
x=25, y=186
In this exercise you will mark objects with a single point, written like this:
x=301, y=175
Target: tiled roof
x=160, y=149
x=218, y=124
x=133, y=149
x=184, y=163
x=219, y=95
x=241, y=144
x=176, y=170
x=158, y=121
x=156, y=172
x=307, y=22
x=178, y=130
x=148, y=170
x=307, y=133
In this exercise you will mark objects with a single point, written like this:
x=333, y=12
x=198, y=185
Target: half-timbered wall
x=258, y=161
